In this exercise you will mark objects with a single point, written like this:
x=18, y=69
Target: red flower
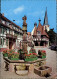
x=43, y=51
x=25, y=54
x=30, y=54
x=15, y=52
x=34, y=53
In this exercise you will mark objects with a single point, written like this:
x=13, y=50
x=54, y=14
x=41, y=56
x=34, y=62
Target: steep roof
x=35, y=30
x=3, y=17
x=32, y=33
x=41, y=28
x=46, y=18
x=28, y=33
x=44, y=33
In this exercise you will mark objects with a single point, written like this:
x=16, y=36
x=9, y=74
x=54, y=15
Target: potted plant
x=42, y=54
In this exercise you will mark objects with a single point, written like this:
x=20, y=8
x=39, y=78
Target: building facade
x=10, y=34
x=40, y=37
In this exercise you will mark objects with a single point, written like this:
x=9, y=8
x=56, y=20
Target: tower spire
x=46, y=18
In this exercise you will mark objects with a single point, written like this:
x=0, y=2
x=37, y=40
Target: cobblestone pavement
x=50, y=61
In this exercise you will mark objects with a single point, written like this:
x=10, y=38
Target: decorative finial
x=39, y=20
x=24, y=20
x=35, y=24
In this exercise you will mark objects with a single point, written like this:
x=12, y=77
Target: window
x=0, y=41
x=7, y=42
x=5, y=30
x=2, y=30
x=13, y=26
x=3, y=41
x=3, y=21
x=8, y=31
x=7, y=23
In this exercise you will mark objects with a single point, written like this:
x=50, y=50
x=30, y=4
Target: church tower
x=46, y=25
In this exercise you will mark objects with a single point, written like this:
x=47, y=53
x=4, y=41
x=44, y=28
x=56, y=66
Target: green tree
x=52, y=36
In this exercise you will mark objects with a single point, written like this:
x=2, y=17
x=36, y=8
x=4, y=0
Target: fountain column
x=24, y=42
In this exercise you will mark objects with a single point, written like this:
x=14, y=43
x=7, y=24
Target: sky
x=33, y=9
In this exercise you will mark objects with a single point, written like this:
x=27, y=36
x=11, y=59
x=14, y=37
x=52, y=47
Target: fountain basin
x=20, y=65
x=22, y=72
x=43, y=70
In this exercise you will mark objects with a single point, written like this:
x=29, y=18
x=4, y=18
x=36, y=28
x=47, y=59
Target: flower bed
x=31, y=56
x=32, y=50
x=11, y=54
x=42, y=54
x=5, y=54
x=31, y=59
x=13, y=58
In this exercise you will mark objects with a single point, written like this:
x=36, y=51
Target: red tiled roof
x=41, y=29
x=44, y=33
x=10, y=21
x=28, y=33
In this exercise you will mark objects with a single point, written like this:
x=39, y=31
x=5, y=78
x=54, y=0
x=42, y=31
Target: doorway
x=36, y=43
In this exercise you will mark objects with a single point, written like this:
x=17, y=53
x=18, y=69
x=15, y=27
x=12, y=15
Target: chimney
x=3, y=14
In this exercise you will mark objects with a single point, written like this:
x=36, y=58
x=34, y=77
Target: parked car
x=54, y=47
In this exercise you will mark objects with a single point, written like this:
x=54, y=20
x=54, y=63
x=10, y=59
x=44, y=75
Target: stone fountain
x=20, y=66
